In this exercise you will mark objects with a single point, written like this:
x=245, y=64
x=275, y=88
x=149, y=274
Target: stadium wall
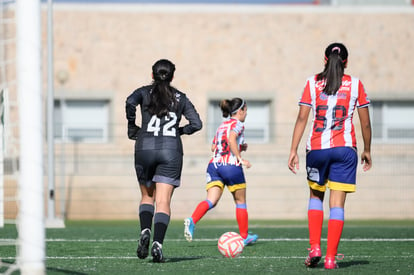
x=221, y=51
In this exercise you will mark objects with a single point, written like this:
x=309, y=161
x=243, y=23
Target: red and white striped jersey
x=332, y=124
x=222, y=152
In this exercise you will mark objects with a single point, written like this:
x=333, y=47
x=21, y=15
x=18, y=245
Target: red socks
x=241, y=216
x=315, y=222
x=243, y=221
x=335, y=226
x=334, y=235
x=200, y=211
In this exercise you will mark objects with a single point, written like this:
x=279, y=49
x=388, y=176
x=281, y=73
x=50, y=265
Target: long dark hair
x=162, y=98
x=230, y=106
x=336, y=56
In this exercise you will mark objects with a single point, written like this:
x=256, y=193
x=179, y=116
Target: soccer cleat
x=143, y=243
x=189, y=226
x=156, y=252
x=330, y=262
x=314, y=257
x=250, y=239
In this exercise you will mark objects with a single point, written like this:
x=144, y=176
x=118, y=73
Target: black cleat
x=156, y=252
x=143, y=243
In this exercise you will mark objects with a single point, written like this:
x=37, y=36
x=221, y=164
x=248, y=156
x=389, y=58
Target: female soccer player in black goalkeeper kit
x=158, y=151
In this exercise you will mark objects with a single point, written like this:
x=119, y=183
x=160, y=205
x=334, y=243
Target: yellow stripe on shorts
x=215, y=183
x=317, y=187
x=339, y=186
x=231, y=188
x=235, y=187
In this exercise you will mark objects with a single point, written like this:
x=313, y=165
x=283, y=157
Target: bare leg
x=214, y=194
x=163, y=197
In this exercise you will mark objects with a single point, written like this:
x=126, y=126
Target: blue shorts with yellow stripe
x=222, y=174
x=334, y=167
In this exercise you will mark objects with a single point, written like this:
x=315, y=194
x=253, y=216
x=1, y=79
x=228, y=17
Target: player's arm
x=243, y=147
x=190, y=113
x=213, y=147
x=365, y=121
x=130, y=109
x=214, y=144
x=234, y=148
x=300, y=125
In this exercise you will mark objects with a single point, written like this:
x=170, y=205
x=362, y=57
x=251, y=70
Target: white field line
x=242, y=257
x=7, y=241
x=262, y=240
x=208, y=240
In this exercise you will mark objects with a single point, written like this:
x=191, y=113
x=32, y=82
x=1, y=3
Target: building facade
x=262, y=53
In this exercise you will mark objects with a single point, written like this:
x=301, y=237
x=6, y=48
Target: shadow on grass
x=63, y=271
x=344, y=264
x=352, y=263
x=181, y=259
x=48, y=269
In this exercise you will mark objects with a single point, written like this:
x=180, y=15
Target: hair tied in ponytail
x=336, y=49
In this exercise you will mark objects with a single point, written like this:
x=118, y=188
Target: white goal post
x=31, y=218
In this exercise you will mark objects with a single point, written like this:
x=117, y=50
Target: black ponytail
x=336, y=56
x=162, y=98
x=230, y=107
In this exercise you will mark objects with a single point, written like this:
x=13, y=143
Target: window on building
x=392, y=121
x=81, y=120
x=257, y=124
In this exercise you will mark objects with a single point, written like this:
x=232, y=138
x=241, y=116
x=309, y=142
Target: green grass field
x=370, y=247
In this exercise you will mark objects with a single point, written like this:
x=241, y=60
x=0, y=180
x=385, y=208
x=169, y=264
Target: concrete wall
x=222, y=51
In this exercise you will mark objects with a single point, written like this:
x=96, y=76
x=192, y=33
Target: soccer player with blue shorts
x=331, y=159
x=225, y=169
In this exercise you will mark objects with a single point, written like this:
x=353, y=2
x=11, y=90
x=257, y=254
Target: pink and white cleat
x=314, y=257
x=330, y=262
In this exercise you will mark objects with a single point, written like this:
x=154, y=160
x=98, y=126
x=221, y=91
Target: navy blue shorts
x=158, y=166
x=334, y=167
x=222, y=174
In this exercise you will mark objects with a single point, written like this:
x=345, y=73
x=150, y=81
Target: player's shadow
x=346, y=264
x=352, y=263
x=181, y=259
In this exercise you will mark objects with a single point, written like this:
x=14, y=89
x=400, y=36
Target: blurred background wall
x=260, y=52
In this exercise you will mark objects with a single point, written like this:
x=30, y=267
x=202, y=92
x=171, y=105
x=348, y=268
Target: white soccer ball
x=230, y=244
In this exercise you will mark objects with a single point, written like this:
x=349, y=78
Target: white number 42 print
x=167, y=129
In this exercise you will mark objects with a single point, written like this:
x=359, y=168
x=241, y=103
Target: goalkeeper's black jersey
x=158, y=133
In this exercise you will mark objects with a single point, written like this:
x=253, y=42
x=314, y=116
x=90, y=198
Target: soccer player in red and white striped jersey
x=226, y=169
x=331, y=159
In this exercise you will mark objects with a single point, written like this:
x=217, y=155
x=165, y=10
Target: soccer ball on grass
x=230, y=244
